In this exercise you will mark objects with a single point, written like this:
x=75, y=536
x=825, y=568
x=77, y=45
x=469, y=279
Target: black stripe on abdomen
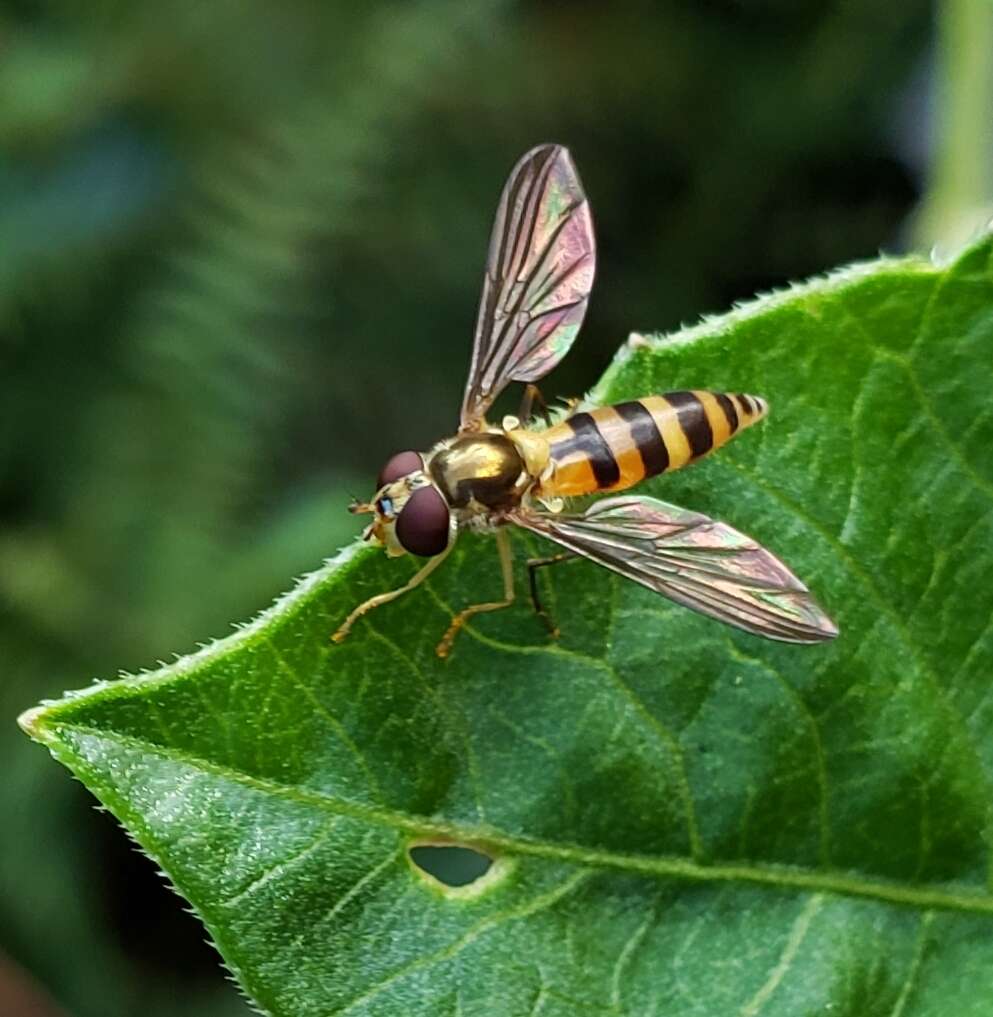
x=730, y=413
x=692, y=417
x=588, y=440
x=645, y=434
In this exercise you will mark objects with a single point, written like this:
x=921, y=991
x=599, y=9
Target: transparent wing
x=539, y=273
x=693, y=560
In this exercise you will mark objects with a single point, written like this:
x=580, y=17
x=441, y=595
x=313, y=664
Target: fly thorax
x=483, y=468
x=532, y=448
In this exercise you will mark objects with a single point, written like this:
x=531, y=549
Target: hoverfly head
x=411, y=515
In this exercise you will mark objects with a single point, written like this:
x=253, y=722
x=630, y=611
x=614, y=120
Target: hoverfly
x=539, y=274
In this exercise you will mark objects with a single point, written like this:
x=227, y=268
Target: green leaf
x=682, y=818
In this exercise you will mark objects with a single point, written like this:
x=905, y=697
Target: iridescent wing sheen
x=691, y=559
x=539, y=273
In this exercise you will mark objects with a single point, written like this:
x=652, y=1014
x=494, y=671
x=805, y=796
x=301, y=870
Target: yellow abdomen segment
x=614, y=447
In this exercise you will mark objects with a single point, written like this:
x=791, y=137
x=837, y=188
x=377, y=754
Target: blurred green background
x=241, y=246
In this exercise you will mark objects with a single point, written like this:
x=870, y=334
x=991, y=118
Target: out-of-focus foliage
x=240, y=248
x=960, y=187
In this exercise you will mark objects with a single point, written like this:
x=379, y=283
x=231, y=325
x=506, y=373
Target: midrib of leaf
x=661, y=867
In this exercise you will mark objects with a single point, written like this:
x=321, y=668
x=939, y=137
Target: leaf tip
x=30, y=722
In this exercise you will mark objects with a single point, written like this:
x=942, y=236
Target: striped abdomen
x=613, y=447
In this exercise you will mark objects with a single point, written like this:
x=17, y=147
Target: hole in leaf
x=452, y=865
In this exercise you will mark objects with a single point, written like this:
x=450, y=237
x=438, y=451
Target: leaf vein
x=950, y=897
x=624, y=957
x=336, y=725
x=457, y=724
x=797, y=934
x=532, y=907
x=665, y=736
x=343, y=901
x=820, y=768
x=276, y=870
x=915, y=965
x=938, y=424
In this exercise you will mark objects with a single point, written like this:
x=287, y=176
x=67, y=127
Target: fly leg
x=532, y=396
x=507, y=569
x=385, y=598
x=533, y=565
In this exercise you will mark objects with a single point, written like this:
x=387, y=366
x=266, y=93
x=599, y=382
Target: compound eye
x=398, y=466
x=422, y=526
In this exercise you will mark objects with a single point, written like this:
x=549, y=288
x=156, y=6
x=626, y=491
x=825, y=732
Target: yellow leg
x=385, y=598
x=532, y=395
x=507, y=568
